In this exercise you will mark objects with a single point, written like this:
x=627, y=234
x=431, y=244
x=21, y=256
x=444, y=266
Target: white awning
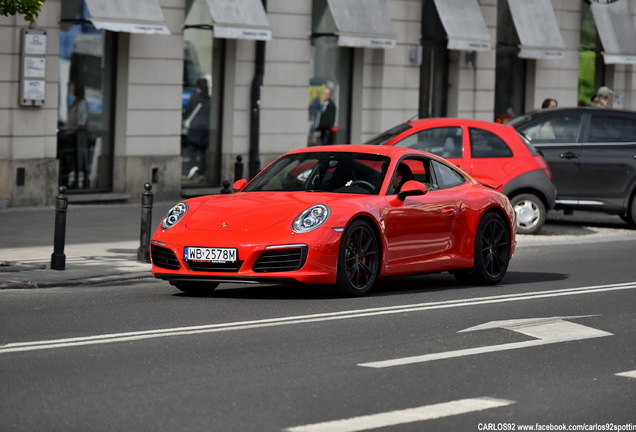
x=464, y=24
x=138, y=16
x=360, y=23
x=239, y=19
x=616, y=29
x=537, y=28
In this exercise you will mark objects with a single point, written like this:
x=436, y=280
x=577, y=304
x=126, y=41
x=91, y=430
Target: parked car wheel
x=492, y=252
x=531, y=213
x=630, y=216
x=358, y=260
x=196, y=288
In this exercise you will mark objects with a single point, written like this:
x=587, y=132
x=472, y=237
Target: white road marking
x=629, y=374
x=547, y=330
x=303, y=319
x=411, y=415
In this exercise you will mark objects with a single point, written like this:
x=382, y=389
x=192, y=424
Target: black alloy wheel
x=492, y=252
x=358, y=260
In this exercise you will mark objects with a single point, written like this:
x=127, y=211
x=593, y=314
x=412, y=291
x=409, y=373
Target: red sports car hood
x=251, y=210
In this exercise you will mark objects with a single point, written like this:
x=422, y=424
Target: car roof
x=444, y=121
x=390, y=151
x=538, y=113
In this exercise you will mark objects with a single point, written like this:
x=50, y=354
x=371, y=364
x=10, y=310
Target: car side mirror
x=239, y=184
x=411, y=188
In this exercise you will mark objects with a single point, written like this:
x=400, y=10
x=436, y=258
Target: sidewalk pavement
x=101, y=244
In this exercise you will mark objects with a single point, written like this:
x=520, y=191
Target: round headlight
x=174, y=215
x=311, y=218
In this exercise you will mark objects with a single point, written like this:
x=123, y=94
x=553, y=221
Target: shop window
x=85, y=107
x=510, y=74
x=201, y=99
x=591, y=68
x=332, y=68
x=435, y=64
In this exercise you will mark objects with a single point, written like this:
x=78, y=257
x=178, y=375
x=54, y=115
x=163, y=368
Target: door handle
x=449, y=211
x=569, y=155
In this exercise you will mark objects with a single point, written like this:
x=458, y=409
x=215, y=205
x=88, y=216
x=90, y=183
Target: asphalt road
x=552, y=347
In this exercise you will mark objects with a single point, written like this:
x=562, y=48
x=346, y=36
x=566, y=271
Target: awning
x=239, y=19
x=359, y=23
x=136, y=16
x=464, y=24
x=616, y=30
x=537, y=28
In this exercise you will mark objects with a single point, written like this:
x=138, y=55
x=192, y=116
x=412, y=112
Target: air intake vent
x=282, y=260
x=163, y=257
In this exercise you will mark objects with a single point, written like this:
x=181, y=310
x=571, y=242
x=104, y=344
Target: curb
x=91, y=280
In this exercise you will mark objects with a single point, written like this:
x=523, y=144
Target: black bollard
x=143, y=253
x=238, y=168
x=226, y=187
x=58, y=258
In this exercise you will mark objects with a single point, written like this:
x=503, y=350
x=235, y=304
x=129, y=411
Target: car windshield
x=339, y=172
x=387, y=135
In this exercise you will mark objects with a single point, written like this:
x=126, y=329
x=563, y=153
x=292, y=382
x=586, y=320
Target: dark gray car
x=592, y=155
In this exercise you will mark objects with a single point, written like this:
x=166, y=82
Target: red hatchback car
x=494, y=154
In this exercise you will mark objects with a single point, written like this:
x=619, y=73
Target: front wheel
x=492, y=252
x=358, y=260
x=196, y=288
x=531, y=213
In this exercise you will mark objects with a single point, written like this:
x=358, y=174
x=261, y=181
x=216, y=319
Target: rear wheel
x=630, y=216
x=196, y=288
x=530, y=212
x=492, y=252
x=358, y=260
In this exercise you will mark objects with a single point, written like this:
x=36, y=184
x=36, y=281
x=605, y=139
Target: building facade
x=94, y=95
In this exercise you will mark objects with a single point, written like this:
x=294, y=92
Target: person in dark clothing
x=326, y=121
x=196, y=119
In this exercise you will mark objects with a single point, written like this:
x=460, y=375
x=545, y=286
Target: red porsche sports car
x=341, y=215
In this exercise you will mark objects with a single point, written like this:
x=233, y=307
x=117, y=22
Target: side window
x=445, y=176
x=443, y=141
x=410, y=169
x=605, y=128
x=485, y=144
x=559, y=128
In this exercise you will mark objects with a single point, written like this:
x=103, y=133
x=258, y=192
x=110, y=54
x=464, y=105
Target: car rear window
x=605, y=128
x=485, y=144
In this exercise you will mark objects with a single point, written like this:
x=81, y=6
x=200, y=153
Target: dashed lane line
x=410, y=415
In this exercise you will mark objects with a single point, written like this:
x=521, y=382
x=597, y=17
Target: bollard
x=238, y=168
x=226, y=187
x=58, y=258
x=143, y=253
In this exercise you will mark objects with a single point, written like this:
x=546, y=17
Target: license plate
x=210, y=254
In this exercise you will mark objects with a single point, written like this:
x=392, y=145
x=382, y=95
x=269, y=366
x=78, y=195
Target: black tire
x=196, y=288
x=492, y=252
x=630, y=216
x=531, y=213
x=358, y=260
